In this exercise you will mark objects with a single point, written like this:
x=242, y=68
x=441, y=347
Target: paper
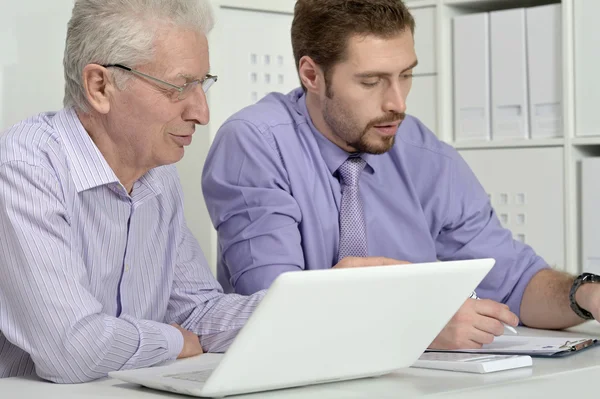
x=534, y=346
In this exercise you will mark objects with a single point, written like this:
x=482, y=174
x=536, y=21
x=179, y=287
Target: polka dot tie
x=353, y=228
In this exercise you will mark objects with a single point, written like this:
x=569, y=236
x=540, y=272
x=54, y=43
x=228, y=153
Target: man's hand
x=353, y=261
x=588, y=297
x=191, y=343
x=477, y=322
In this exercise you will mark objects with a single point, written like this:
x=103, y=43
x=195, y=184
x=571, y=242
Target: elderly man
x=98, y=271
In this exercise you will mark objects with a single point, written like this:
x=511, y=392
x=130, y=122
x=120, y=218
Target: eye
x=407, y=76
x=370, y=84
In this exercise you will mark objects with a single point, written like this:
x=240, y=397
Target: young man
x=335, y=172
x=98, y=271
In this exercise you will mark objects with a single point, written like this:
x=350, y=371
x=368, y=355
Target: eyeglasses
x=181, y=92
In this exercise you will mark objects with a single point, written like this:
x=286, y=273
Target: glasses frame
x=206, y=83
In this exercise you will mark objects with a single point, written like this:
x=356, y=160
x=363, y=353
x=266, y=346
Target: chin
x=172, y=158
x=179, y=156
x=377, y=147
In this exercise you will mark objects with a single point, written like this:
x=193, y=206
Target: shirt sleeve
x=247, y=192
x=472, y=230
x=198, y=303
x=46, y=307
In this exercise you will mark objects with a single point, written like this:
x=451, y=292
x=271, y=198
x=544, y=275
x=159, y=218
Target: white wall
x=32, y=35
x=190, y=172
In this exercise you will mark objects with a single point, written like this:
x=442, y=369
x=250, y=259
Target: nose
x=196, y=108
x=395, y=99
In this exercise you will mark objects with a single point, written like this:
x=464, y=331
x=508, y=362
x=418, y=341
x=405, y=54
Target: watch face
x=591, y=278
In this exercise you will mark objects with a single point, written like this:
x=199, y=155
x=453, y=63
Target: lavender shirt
x=90, y=276
x=272, y=191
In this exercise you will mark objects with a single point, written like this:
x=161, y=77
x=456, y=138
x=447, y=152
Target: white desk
x=571, y=377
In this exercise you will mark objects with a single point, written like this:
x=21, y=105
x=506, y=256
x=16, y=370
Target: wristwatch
x=579, y=281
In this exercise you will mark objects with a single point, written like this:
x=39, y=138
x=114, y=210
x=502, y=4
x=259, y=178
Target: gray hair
x=122, y=32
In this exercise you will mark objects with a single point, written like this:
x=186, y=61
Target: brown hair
x=321, y=28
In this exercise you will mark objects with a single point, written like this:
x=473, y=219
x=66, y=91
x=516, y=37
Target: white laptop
x=328, y=325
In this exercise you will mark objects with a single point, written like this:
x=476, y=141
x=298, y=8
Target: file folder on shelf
x=471, y=77
x=510, y=110
x=587, y=65
x=590, y=215
x=544, y=57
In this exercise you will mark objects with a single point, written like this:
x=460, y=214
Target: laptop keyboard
x=196, y=376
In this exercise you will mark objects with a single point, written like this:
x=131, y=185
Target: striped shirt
x=91, y=276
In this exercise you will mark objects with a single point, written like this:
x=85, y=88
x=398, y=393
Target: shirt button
x=126, y=268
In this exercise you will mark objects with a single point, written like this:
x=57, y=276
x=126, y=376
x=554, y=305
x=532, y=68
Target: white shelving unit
x=542, y=172
x=548, y=168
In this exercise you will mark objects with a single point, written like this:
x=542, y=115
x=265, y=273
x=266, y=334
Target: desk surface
x=571, y=375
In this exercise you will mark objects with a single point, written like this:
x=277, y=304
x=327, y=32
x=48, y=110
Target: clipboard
x=532, y=346
x=572, y=346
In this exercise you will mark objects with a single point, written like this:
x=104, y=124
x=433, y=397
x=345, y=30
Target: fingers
x=474, y=325
x=191, y=343
x=463, y=337
x=473, y=345
x=480, y=337
x=352, y=261
x=489, y=325
x=495, y=310
x=460, y=337
x=389, y=261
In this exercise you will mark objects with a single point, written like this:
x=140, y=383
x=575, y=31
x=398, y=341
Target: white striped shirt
x=90, y=276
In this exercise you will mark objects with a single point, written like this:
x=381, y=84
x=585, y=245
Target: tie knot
x=351, y=169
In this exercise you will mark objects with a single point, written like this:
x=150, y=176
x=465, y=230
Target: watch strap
x=583, y=278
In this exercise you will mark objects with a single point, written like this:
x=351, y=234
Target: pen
x=509, y=328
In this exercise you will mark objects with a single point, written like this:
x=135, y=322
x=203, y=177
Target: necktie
x=353, y=228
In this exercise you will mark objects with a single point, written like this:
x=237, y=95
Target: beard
x=343, y=125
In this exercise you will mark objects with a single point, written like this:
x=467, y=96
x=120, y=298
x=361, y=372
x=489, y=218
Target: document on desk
x=532, y=346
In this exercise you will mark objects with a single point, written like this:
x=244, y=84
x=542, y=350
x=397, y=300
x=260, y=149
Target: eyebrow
x=188, y=78
x=372, y=74
x=191, y=78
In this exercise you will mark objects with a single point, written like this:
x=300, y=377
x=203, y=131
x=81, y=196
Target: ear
x=311, y=75
x=98, y=87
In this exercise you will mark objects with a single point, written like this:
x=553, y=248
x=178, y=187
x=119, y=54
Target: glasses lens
x=208, y=82
x=188, y=88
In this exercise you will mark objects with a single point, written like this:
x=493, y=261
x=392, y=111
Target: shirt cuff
x=174, y=340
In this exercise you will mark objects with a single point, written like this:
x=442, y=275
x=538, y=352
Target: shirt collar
x=151, y=181
x=333, y=155
x=89, y=168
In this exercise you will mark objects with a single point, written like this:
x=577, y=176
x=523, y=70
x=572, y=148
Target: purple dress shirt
x=272, y=191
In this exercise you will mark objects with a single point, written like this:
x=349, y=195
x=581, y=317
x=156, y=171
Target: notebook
x=471, y=362
x=533, y=346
